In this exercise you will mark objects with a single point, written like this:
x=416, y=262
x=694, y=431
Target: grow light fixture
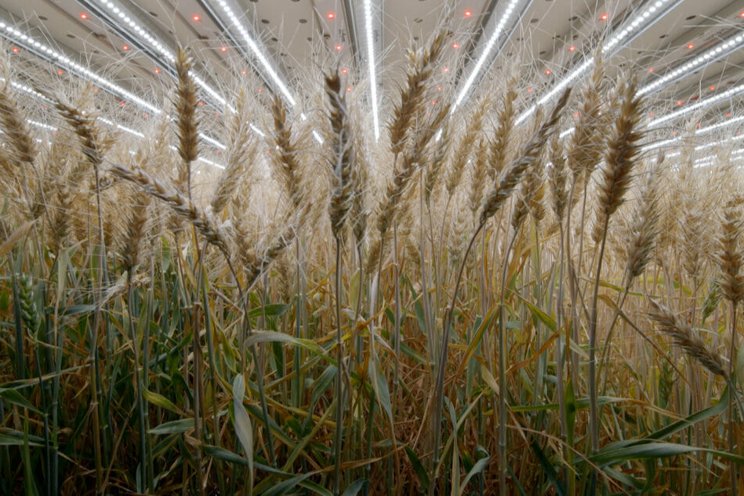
x=123, y=23
x=371, y=66
x=706, y=58
x=506, y=17
x=236, y=24
x=46, y=52
x=634, y=27
x=736, y=90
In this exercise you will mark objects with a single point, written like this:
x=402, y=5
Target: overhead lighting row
x=504, y=20
x=371, y=66
x=159, y=47
x=633, y=27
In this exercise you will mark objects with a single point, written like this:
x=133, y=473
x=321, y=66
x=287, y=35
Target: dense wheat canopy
x=351, y=247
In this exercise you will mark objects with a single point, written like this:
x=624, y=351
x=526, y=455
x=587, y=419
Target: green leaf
x=77, y=310
x=642, y=450
x=380, y=386
x=284, y=486
x=354, y=488
x=323, y=382
x=15, y=438
x=271, y=310
x=548, y=468
x=541, y=316
x=679, y=425
x=173, y=427
x=162, y=402
x=277, y=337
x=15, y=397
x=243, y=427
x=418, y=467
x=479, y=466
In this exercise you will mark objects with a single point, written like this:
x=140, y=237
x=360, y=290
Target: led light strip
x=706, y=58
x=701, y=104
x=235, y=21
x=371, y=66
x=635, y=27
x=498, y=30
x=154, y=43
x=48, y=53
x=702, y=130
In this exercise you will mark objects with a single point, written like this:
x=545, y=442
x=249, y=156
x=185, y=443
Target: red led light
x=122, y=103
x=243, y=72
x=548, y=72
x=439, y=87
x=679, y=103
x=468, y=13
x=650, y=69
x=196, y=18
x=339, y=47
x=344, y=70
x=690, y=46
x=330, y=15
x=711, y=88
x=728, y=114
x=125, y=48
x=60, y=72
x=348, y=89
x=529, y=90
x=84, y=16
x=572, y=48
x=445, y=69
x=157, y=70
x=604, y=17
x=223, y=49
x=741, y=14
x=15, y=50
x=455, y=45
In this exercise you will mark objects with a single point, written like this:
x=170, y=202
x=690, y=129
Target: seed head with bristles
x=240, y=152
x=731, y=280
x=285, y=157
x=644, y=228
x=86, y=130
x=511, y=176
x=622, y=150
x=343, y=155
x=686, y=338
x=186, y=101
x=14, y=126
x=412, y=95
x=500, y=142
x=558, y=178
x=203, y=222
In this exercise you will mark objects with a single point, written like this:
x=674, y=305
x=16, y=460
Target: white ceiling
x=299, y=36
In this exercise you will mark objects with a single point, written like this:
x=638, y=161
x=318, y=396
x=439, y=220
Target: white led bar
x=372, y=68
x=703, y=59
x=702, y=130
x=642, y=21
x=506, y=17
x=65, y=62
x=154, y=43
x=46, y=52
x=248, y=39
x=701, y=104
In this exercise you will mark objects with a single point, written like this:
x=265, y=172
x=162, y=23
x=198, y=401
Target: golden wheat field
x=527, y=286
